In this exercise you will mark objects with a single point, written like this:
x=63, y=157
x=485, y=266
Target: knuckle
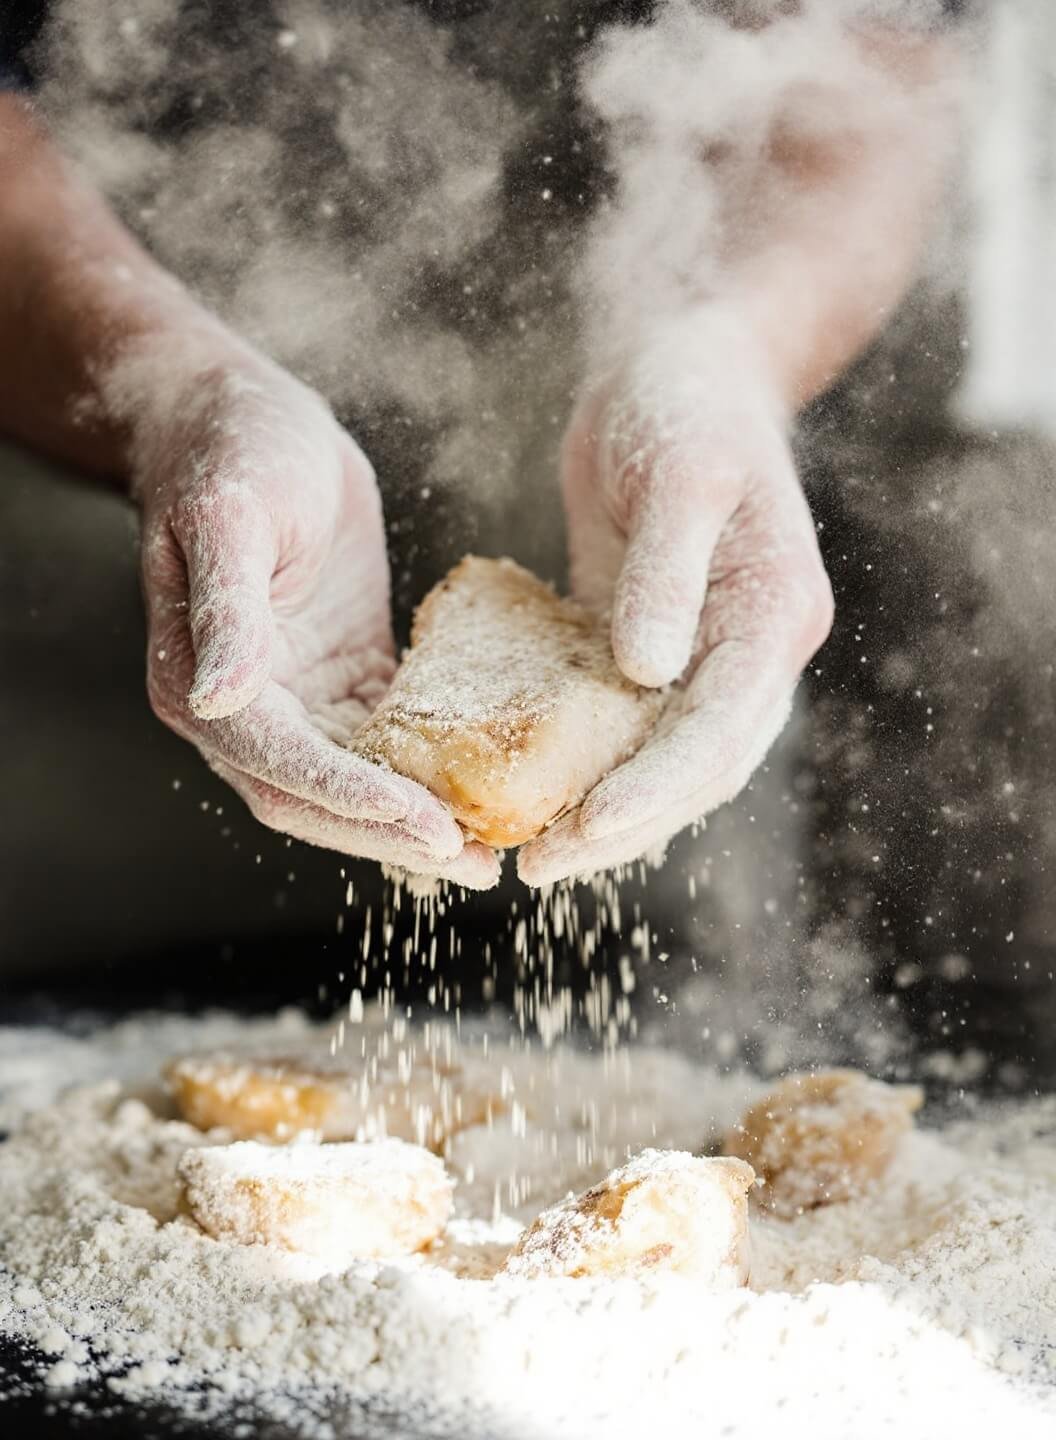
x=774, y=598
x=217, y=502
x=357, y=462
x=820, y=609
x=192, y=511
x=826, y=613
x=811, y=609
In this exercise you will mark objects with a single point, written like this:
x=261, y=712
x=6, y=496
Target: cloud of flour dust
x=405, y=213
x=440, y=224
x=690, y=107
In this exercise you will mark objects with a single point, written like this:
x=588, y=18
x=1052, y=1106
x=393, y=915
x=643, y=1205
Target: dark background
x=903, y=829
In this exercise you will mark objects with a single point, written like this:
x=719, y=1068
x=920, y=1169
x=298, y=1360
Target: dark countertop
x=29, y=1412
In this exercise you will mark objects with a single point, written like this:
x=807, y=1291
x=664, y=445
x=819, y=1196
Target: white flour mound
x=927, y=1307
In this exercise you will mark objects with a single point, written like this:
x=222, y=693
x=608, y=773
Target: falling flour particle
x=925, y=1305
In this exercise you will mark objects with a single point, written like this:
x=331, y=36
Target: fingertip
x=545, y=859
x=232, y=662
x=536, y=872
x=211, y=707
x=211, y=699
x=431, y=823
x=651, y=652
x=477, y=867
x=602, y=813
x=526, y=868
x=527, y=873
x=662, y=585
x=222, y=686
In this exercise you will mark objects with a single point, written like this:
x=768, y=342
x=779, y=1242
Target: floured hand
x=267, y=590
x=687, y=521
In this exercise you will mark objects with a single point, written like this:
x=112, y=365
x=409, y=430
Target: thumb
x=674, y=527
x=229, y=550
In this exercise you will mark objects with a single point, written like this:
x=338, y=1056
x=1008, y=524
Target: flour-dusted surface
x=926, y=1306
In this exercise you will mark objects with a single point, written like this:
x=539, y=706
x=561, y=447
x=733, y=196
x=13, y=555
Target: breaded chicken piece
x=823, y=1137
x=338, y=1203
x=509, y=705
x=278, y=1097
x=664, y=1211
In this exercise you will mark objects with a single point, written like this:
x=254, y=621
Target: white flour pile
x=926, y=1308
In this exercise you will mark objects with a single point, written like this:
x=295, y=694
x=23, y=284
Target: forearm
x=775, y=243
x=830, y=233
x=76, y=292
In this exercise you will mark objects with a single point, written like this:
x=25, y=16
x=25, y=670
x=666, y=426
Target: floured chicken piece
x=337, y=1203
x=822, y=1138
x=509, y=705
x=279, y=1097
x=664, y=1211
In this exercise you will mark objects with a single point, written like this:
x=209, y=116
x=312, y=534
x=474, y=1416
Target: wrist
x=194, y=398
x=709, y=350
x=166, y=388
x=805, y=345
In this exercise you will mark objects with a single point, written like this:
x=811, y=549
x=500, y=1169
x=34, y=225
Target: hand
x=267, y=591
x=687, y=521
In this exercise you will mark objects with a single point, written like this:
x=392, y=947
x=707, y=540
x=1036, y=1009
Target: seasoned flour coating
x=509, y=705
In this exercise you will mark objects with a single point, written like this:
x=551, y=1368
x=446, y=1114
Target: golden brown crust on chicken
x=509, y=706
